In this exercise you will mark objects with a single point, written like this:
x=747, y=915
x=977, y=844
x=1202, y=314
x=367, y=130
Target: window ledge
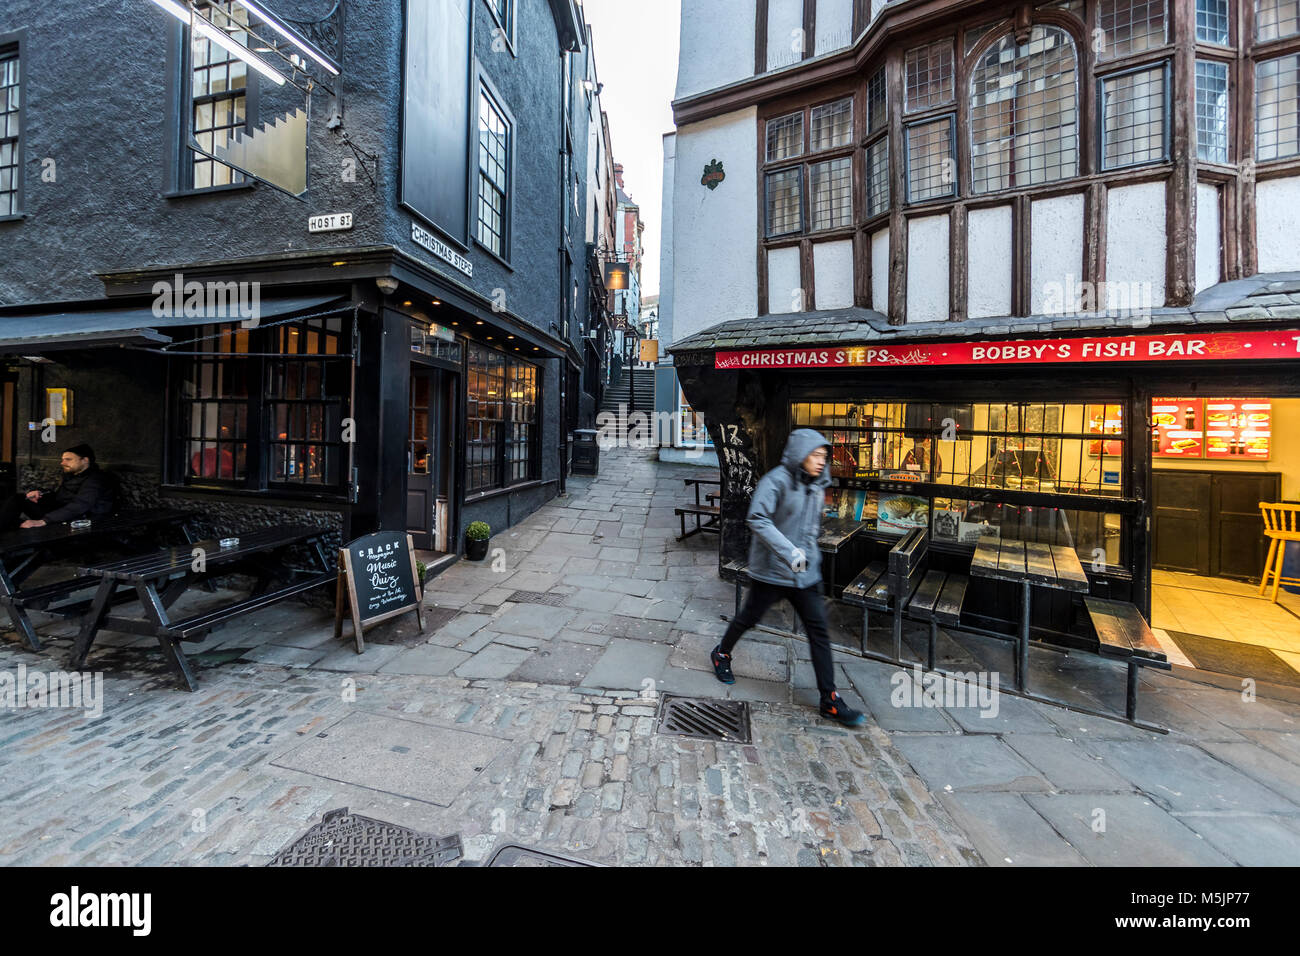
x=277, y=497
x=509, y=489
x=229, y=187
x=16, y=217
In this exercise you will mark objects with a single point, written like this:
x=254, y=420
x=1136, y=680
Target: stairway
x=634, y=390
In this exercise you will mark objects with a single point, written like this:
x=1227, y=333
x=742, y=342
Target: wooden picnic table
x=1030, y=564
x=26, y=550
x=263, y=552
x=711, y=513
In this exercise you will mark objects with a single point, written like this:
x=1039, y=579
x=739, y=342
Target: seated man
x=85, y=492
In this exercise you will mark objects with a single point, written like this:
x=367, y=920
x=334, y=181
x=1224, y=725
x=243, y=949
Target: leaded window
x=1275, y=19
x=785, y=201
x=878, y=177
x=494, y=142
x=1212, y=111
x=1130, y=26
x=1277, y=108
x=931, y=169
x=830, y=194
x=307, y=387
x=928, y=73
x=1134, y=117
x=785, y=137
x=1212, y=21
x=877, y=114
x=832, y=125
x=1024, y=112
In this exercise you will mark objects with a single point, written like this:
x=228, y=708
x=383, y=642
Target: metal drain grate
x=346, y=839
x=707, y=719
x=515, y=855
x=537, y=597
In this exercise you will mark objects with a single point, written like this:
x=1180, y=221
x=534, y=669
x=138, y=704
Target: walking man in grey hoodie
x=785, y=516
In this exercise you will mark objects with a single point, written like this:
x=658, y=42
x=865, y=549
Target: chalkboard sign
x=377, y=577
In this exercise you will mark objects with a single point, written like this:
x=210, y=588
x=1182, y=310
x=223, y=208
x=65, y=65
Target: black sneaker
x=836, y=708
x=722, y=665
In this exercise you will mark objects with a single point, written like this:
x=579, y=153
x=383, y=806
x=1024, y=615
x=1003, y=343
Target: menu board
x=1238, y=428
x=1106, y=420
x=1177, y=427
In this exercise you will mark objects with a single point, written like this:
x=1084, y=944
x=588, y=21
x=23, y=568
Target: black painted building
x=414, y=366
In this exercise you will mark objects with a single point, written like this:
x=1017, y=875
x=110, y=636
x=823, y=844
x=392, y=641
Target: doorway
x=430, y=458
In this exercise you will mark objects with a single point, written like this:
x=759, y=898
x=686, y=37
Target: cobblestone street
x=526, y=714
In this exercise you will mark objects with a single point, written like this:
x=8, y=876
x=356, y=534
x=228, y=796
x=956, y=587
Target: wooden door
x=1181, y=521
x=420, y=459
x=1237, y=543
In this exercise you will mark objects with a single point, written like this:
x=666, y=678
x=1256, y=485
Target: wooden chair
x=1281, y=524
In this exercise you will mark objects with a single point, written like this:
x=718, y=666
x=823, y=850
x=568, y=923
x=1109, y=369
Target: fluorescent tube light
x=205, y=27
x=290, y=34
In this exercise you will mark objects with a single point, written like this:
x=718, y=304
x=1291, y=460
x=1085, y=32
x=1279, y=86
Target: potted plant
x=421, y=571
x=476, y=540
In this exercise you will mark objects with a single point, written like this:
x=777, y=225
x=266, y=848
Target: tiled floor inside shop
x=1225, y=610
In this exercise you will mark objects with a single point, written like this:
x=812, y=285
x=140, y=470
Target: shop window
x=214, y=408
x=928, y=75
x=494, y=144
x=10, y=128
x=931, y=167
x=306, y=391
x=1275, y=19
x=1212, y=111
x=1277, y=108
x=500, y=420
x=691, y=430
x=878, y=177
x=1212, y=21
x=1023, y=112
x=218, y=83
x=1043, y=471
x=1130, y=26
x=1134, y=117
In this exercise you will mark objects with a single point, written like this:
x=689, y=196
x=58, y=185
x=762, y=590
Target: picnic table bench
x=158, y=579
x=26, y=550
x=1123, y=633
x=711, y=512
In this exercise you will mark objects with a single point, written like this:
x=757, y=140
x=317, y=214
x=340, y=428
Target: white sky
x=636, y=58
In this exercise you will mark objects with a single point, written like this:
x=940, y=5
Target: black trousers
x=807, y=603
x=16, y=507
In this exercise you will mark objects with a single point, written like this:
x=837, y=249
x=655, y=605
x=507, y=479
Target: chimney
x=618, y=175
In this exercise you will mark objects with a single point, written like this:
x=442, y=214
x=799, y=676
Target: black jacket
x=87, y=495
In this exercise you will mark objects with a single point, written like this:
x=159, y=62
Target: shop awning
x=25, y=332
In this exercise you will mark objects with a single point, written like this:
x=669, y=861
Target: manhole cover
x=705, y=718
x=346, y=839
x=514, y=855
x=537, y=597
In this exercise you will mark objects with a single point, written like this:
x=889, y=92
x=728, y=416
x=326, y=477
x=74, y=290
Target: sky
x=636, y=59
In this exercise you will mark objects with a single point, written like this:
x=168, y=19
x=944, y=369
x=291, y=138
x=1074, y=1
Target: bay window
x=1134, y=117
x=1277, y=108
x=821, y=136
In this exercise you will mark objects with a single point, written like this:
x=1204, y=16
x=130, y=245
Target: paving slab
x=1259, y=763
x=626, y=663
x=1185, y=778
x=1249, y=840
x=347, y=659
x=969, y=763
x=285, y=656
x=431, y=660
x=560, y=662
x=761, y=660
x=493, y=662
x=1007, y=831
x=533, y=620
x=1065, y=764
x=1124, y=830
x=879, y=686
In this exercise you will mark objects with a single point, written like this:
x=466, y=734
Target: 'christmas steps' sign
x=377, y=575
x=1210, y=346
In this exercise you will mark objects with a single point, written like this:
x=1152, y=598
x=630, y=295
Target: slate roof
x=1259, y=299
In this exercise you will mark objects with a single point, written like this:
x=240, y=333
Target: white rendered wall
x=715, y=258
x=784, y=281
x=1207, y=235
x=927, y=269
x=666, y=334
x=833, y=274
x=785, y=41
x=880, y=271
x=1056, y=244
x=1277, y=229
x=834, y=25
x=717, y=44
x=988, y=262
x=1135, y=241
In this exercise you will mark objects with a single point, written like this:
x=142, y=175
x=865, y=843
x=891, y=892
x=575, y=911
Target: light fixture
x=478, y=321
x=341, y=262
x=455, y=323
x=387, y=284
x=510, y=336
x=407, y=302
x=290, y=34
x=437, y=302
x=208, y=29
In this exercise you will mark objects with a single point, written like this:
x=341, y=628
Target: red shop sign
x=1209, y=346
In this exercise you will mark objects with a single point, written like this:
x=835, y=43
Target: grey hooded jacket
x=786, y=513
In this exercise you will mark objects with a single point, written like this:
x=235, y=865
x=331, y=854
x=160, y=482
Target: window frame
x=506, y=24
x=1230, y=91
x=1254, y=106
x=1165, y=65
x=486, y=88
x=500, y=480
x=1280, y=38
x=14, y=46
x=804, y=160
x=954, y=157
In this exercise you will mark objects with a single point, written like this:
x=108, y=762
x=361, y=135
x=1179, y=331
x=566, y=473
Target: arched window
x=1024, y=112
